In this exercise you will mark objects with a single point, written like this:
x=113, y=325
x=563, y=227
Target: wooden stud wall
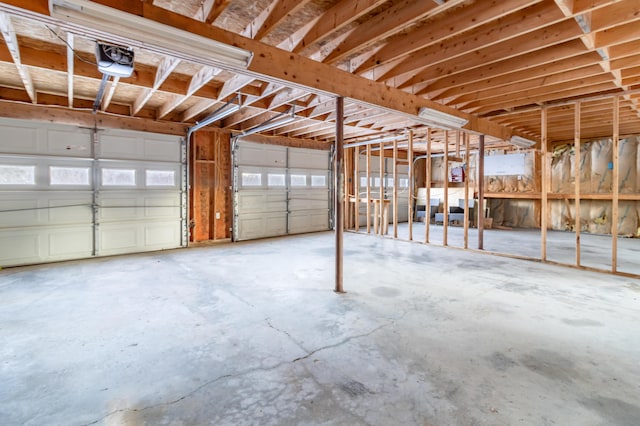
x=210, y=186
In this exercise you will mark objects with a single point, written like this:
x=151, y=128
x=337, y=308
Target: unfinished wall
x=596, y=177
x=211, y=212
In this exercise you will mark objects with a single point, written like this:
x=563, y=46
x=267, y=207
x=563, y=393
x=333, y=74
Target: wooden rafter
x=163, y=71
x=337, y=17
x=451, y=25
x=201, y=78
x=520, y=46
x=503, y=32
x=10, y=38
x=392, y=21
x=278, y=11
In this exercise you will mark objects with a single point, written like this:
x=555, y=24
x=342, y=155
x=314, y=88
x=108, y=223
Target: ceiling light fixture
x=134, y=30
x=521, y=142
x=440, y=118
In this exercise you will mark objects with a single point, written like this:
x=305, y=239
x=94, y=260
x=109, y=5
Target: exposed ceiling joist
x=201, y=78
x=11, y=41
x=165, y=69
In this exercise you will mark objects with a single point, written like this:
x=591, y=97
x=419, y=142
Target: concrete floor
x=251, y=333
x=595, y=250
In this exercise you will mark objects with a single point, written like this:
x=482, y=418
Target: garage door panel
x=262, y=201
x=76, y=143
x=117, y=238
x=308, y=159
x=308, y=221
x=131, y=206
x=253, y=154
x=34, y=245
x=129, y=145
x=261, y=225
x=70, y=243
x=18, y=246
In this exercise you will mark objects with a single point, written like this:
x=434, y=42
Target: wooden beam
x=391, y=21
x=615, y=184
x=576, y=177
x=336, y=18
x=467, y=162
x=10, y=38
x=427, y=184
x=338, y=185
x=545, y=181
x=368, y=189
x=410, y=183
x=541, y=73
x=503, y=54
x=285, y=141
x=445, y=222
x=567, y=50
x=163, y=71
x=63, y=115
x=356, y=188
x=216, y=10
x=454, y=30
x=481, y=197
x=202, y=77
x=279, y=10
x=395, y=188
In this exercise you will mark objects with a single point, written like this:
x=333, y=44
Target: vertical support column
x=481, y=193
x=577, y=188
x=339, y=185
x=465, y=138
x=380, y=218
x=95, y=141
x=615, y=213
x=410, y=184
x=445, y=220
x=395, y=188
x=544, y=205
x=356, y=187
x=427, y=180
x=368, y=189
x=345, y=189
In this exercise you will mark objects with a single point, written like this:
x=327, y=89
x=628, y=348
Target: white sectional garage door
x=65, y=194
x=279, y=191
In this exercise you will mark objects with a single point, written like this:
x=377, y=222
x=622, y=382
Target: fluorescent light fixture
x=272, y=123
x=222, y=112
x=133, y=30
x=440, y=118
x=521, y=142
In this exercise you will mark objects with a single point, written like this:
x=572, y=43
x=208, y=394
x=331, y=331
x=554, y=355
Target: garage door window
x=118, y=177
x=276, y=179
x=298, y=180
x=251, y=179
x=17, y=175
x=160, y=178
x=318, y=180
x=69, y=175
